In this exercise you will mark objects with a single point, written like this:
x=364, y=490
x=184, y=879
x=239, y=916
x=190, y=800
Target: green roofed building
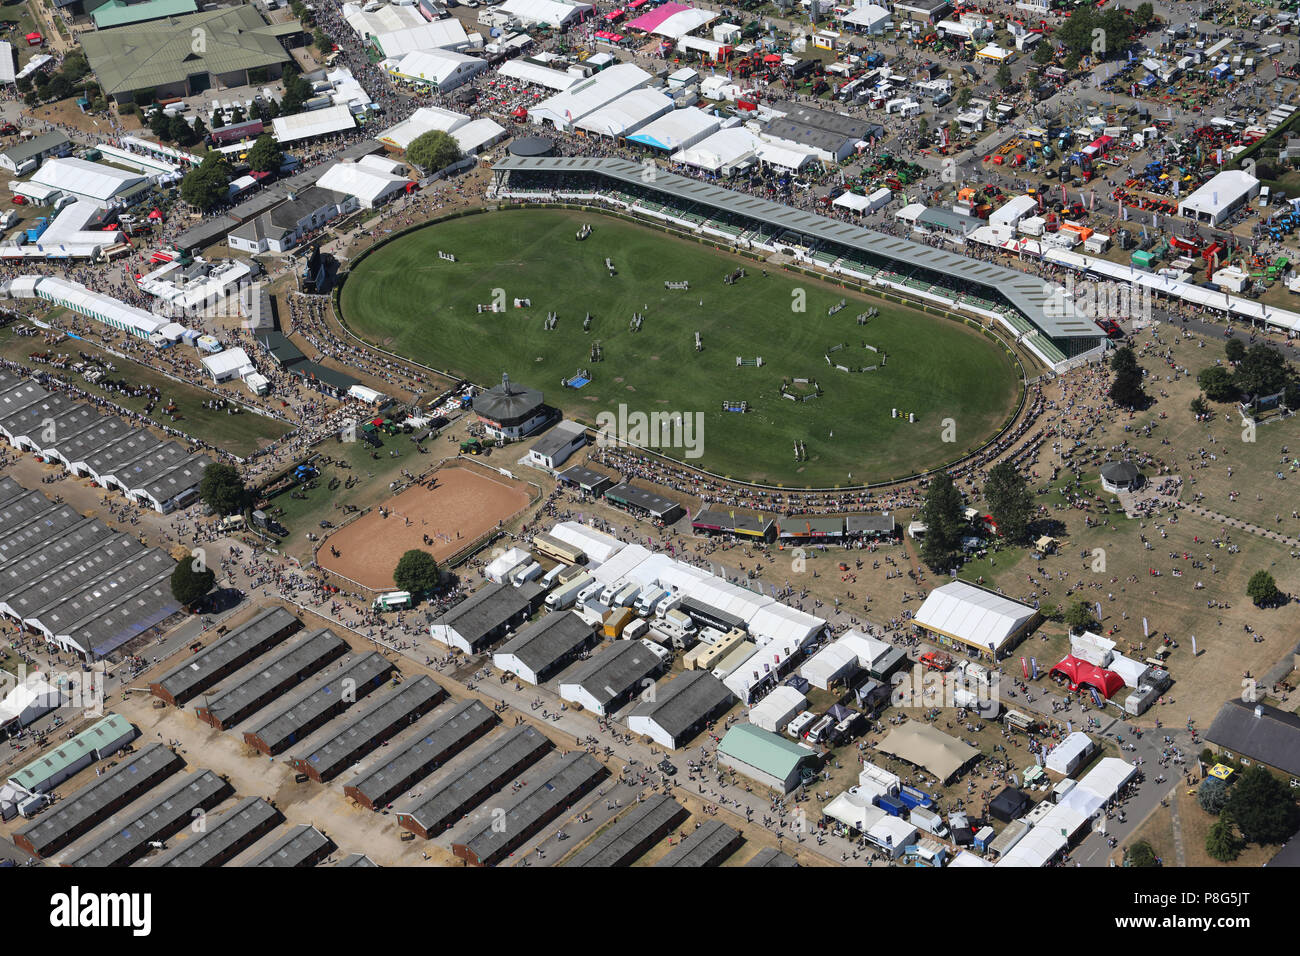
x=763, y=756
x=188, y=54
x=101, y=740
x=120, y=13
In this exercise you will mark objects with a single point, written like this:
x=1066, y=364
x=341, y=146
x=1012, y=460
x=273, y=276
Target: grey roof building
x=236, y=831
x=643, y=502
x=447, y=735
x=635, y=832
x=356, y=859
x=546, y=646
x=570, y=778
x=585, y=480
x=681, y=709
x=225, y=656
x=484, y=617
x=709, y=845
x=38, y=147
x=433, y=812
x=613, y=676
x=770, y=856
x=1259, y=732
x=302, y=846
x=508, y=403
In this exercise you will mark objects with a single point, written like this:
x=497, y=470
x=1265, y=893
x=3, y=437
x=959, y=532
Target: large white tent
x=973, y=616
x=776, y=622
x=833, y=662
x=855, y=810
x=683, y=22
x=598, y=546
x=443, y=69
x=626, y=114
x=678, y=129
x=435, y=35
x=299, y=126
x=551, y=13
x=537, y=75
x=93, y=182
x=722, y=152
x=777, y=709
x=371, y=186
x=567, y=107
x=31, y=699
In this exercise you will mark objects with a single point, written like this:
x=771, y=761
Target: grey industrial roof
x=614, y=671
x=633, y=833
x=880, y=524
x=806, y=135
x=325, y=695
x=289, y=213
x=570, y=777
x=56, y=574
x=303, y=845
x=549, y=640
x=822, y=119
x=94, y=802
x=223, y=839
x=284, y=670
x=169, y=811
x=558, y=438
x=488, y=608
x=684, y=701
x=394, y=709
x=771, y=856
x=356, y=859
x=584, y=477
x=448, y=734
x=35, y=146
x=708, y=845
x=1026, y=292
x=198, y=673
x=136, y=577
x=1260, y=732
x=61, y=547
x=815, y=525
x=656, y=505
x=206, y=233
x=453, y=798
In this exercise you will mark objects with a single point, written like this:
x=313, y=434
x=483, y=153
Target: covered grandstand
x=1027, y=307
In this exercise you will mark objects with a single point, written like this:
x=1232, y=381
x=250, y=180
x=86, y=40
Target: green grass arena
x=404, y=298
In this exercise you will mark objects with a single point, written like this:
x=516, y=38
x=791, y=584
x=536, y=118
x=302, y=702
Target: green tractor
x=471, y=447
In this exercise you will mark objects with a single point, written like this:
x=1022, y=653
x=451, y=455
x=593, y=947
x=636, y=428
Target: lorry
x=680, y=621
x=649, y=599
x=929, y=821
x=913, y=798
x=564, y=595
x=393, y=600
x=626, y=596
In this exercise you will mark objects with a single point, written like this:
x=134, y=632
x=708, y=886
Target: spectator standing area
x=456, y=507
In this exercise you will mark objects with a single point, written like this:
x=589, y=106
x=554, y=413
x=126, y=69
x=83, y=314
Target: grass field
x=406, y=299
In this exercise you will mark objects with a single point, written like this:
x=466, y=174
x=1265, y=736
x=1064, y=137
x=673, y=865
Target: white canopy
x=978, y=617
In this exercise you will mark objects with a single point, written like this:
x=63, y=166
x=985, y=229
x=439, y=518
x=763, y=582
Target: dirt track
x=463, y=504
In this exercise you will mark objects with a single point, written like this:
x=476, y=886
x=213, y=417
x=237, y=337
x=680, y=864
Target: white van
x=801, y=723
x=650, y=598
x=670, y=603
x=679, y=620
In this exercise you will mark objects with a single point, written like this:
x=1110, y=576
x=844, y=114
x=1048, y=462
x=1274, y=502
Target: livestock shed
x=927, y=747
x=485, y=616
x=448, y=734
x=770, y=856
x=708, y=845
x=681, y=709
x=223, y=840
x=974, y=619
x=98, y=800
x=302, y=846
x=632, y=834
x=281, y=673
x=764, y=757
x=589, y=482
x=225, y=656
x=545, y=799
x=356, y=859
x=171, y=810
x=614, y=676
x=449, y=801
x=97, y=742
x=392, y=711
x=546, y=646
x=326, y=698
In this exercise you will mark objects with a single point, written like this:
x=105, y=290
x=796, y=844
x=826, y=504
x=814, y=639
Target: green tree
x=1126, y=387
x=179, y=131
x=1003, y=76
x=1262, y=371
x=205, y=186
x=1141, y=854
x=321, y=40
x=1263, y=590
x=964, y=97
x=222, y=489
x=265, y=156
x=1222, y=843
x=433, y=151
x=159, y=124
x=60, y=88
x=191, y=581
x=1212, y=795
x=1217, y=383
x=1200, y=406
x=1044, y=53
x=416, y=572
x=1263, y=807
x=944, y=520
x=1080, y=617
x=1234, y=349
x=1010, y=501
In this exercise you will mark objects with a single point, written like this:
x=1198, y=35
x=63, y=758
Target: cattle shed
x=303, y=846
x=635, y=832
x=546, y=646
x=639, y=501
x=613, y=676
x=708, y=845
x=325, y=698
x=586, y=480
x=570, y=778
x=237, y=830
x=97, y=801
x=225, y=656
x=448, y=735
x=280, y=674
x=485, y=616
x=172, y=809
x=681, y=709
x=394, y=710
x=770, y=856
x=356, y=859
x=435, y=811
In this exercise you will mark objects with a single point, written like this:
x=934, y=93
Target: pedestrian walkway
x=1231, y=522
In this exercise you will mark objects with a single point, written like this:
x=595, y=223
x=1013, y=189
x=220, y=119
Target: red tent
x=1082, y=674
x=520, y=113
x=156, y=214
x=35, y=39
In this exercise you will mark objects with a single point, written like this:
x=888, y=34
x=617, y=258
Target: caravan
x=392, y=601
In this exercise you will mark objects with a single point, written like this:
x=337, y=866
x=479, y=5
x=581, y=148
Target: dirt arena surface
x=464, y=503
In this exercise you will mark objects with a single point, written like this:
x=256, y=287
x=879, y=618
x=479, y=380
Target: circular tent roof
x=508, y=403
x=1120, y=472
x=532, y=146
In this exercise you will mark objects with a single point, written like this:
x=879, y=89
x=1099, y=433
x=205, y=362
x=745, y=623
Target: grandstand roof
x=1030, y=295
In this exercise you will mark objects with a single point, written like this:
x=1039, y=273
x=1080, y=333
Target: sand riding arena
x=449, y=512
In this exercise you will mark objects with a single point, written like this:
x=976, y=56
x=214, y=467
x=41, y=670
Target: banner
x=1145, y=631
x=1033, y=665
x=1024, y=667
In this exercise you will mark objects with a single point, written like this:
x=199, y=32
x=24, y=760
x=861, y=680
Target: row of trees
x=1010, y=503
x=1256, y=370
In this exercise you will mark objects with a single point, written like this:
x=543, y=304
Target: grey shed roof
x=488, y=608
x=632, y=834
x=686, y=700
x=771, y=856
x=585, y=477
x=356, y=859
x=614, y=671
x=303, y=845
x=558, y=438
x=709, y=845
x=396, y=708
x=46, y=142
x=507, y=402
x=164, y=815
x=1259, y=732
x=864, y=523
x=448, y=734
x=1026, y=292
x=283, y=670
x=549, y=640
x=325, y=696
x=203, y=669
x=235, y=831
x=94, y=802
x=656, y=505
x=452, y=799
